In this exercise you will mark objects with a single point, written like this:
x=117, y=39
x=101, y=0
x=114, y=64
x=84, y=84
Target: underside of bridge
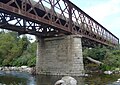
x=61, y=28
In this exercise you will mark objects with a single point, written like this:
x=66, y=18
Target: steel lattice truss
x=47, y=18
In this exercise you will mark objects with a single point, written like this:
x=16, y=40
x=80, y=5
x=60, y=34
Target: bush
x=96, y=53
x=110, y=57
x=105, y=67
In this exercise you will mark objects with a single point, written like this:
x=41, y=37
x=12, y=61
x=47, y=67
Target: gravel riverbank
x=27, y=69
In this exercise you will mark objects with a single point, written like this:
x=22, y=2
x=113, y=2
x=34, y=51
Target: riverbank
x=27, y=69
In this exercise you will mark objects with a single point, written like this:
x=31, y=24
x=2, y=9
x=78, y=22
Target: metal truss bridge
x=48, y=18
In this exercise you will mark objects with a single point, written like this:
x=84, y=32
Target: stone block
x=60, y=56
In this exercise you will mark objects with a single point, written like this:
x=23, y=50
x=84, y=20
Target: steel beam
x=52, y=18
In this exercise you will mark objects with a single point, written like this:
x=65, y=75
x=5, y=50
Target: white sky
x=106, y=12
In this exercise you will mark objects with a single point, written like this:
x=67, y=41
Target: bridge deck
x=52, y=18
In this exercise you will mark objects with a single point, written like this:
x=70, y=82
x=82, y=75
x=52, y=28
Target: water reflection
x=17, y=78
x=46, y=80
x=7, y=80
x=100, y=79
x=50, y=80
x=93, y=79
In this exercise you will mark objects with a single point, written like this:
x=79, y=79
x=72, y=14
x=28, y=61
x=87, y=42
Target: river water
x=18, y=78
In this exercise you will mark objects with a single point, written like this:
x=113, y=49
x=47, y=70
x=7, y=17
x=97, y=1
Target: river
x=18, y=78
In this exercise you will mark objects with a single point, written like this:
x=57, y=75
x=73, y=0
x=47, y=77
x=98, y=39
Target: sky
x=105, y=12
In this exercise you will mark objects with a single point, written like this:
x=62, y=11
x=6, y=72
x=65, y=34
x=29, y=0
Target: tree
x=15, y=50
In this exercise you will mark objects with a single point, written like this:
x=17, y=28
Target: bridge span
x=61, y=28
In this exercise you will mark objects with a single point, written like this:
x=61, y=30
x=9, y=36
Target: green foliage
x=105, y=67
x=113, y=59
x=96, y=53
x=110, y=57
x=16, y=51
x=32, y=61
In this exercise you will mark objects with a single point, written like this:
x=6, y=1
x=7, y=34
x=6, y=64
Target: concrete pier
x=60, y=56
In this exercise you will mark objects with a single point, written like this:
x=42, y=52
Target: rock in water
x=66, y=80
x=60, y=82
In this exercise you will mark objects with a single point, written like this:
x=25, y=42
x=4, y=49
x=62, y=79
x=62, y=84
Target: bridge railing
x=83, y=24
x=61, y=15
x=77, y=21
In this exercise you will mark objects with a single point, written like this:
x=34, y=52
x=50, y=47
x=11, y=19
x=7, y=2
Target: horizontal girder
x=52, y=18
